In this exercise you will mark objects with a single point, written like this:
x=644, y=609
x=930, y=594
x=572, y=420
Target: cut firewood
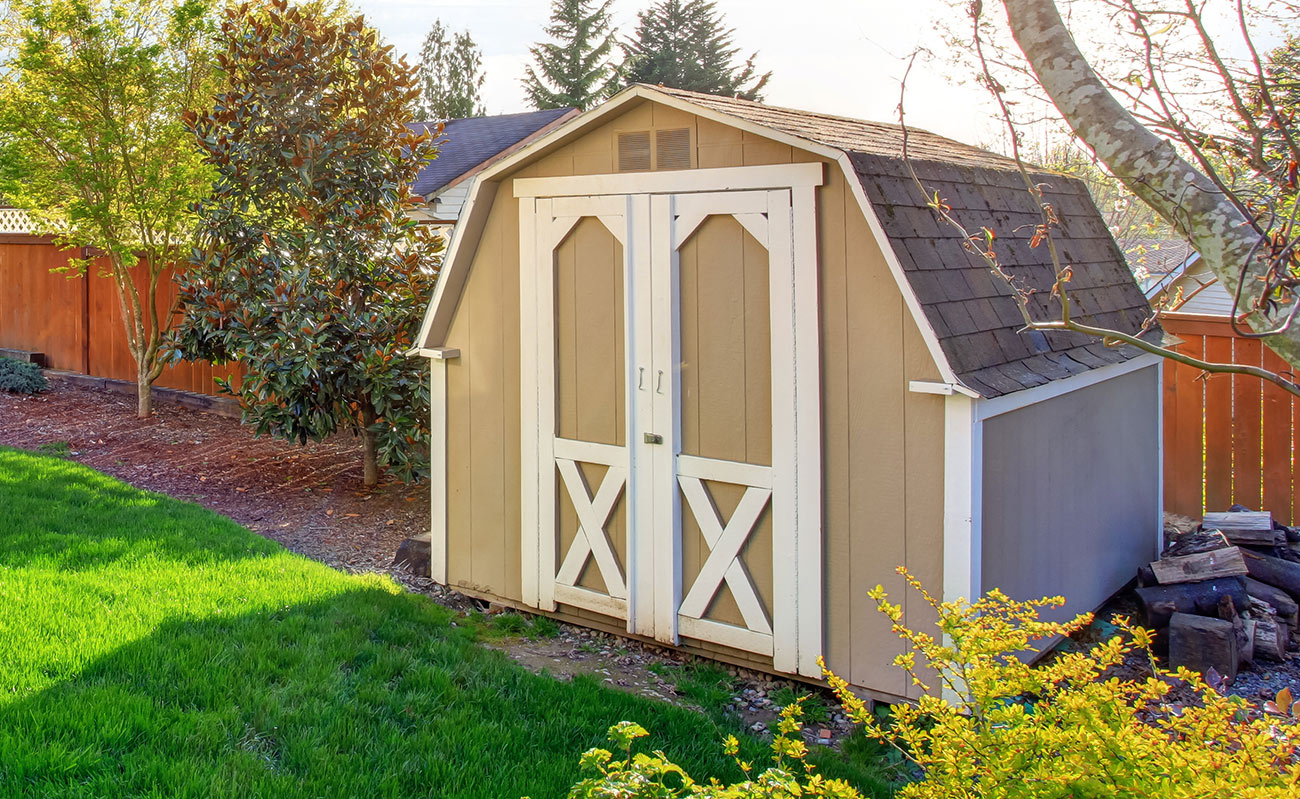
x=1274, y=571
x=1191, y=543
x=1246, y=649
x=1253, y=528
x=1157, y=603
x=1271, y=638
x=1287, y=608
x=1201, y=644
x=1211, y=565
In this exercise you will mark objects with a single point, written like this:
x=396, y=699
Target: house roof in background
x=468, y=144
x=973, y=313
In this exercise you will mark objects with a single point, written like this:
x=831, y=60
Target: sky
x=842, y=57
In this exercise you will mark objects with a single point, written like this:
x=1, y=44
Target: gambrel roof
x=971, y=312
x=968, y=318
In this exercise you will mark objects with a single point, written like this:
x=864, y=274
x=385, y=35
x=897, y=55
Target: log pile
x=1225, y=594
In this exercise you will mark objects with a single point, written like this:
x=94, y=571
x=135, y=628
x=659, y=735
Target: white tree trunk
x=1146, y=163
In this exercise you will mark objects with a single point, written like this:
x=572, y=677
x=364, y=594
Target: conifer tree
x=574, y=68
x=684, y=44
x=451, y=75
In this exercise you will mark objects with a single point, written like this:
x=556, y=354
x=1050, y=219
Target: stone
x=1202, y=643
x=415, y=555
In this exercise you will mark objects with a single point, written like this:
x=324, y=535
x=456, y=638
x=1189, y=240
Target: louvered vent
x=634, y=151
x=673, y=149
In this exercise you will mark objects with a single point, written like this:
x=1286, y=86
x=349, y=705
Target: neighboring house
x=466, y=147
x=1182, y=283
x=705, y=371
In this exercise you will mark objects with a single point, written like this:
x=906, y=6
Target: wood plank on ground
x=1216, y=563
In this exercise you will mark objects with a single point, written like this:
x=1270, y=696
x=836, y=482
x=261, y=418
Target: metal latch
x=653, y=438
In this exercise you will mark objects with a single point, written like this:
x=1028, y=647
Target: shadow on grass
x=72, y=518
x=369, y=694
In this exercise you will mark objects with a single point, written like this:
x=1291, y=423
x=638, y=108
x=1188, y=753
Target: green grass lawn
x=151, y=648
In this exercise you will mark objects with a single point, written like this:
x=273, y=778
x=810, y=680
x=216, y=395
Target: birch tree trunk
x=1145, y=163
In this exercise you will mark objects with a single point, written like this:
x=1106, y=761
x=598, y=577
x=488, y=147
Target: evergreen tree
x=575, y=68
x=451, y=75
x=683, y=44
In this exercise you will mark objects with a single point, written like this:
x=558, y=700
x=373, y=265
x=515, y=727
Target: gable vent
x=634, y=151
x=673, y=149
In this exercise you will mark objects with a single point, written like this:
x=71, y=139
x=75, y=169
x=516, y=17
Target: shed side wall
x=1071, y=492
x=882, y=446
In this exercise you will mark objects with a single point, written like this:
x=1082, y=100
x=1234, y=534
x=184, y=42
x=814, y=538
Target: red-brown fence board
x=41, y=311
x=1228, y=438
x=77, y=322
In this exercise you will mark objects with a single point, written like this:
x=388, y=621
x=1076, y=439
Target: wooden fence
x=76, y=321
x=1228, y=438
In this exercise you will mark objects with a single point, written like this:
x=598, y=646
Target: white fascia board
x=455, y=264
x=988, y=408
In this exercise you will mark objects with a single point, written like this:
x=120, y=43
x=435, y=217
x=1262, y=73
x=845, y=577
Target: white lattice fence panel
x=13, y=220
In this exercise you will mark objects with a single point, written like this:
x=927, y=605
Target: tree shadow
x=368, y=693
x=70, y=518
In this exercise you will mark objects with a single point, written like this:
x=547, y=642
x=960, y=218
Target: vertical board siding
x=882, y=446
x=76, y=321
x=1229, y=439
x=1055, y=539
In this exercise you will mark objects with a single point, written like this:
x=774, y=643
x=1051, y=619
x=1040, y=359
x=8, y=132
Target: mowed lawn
x=151, y=648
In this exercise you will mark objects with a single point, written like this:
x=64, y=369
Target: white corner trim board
x=962, y=499
x=438, y=359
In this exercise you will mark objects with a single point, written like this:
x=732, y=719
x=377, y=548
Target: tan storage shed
x=706, y=371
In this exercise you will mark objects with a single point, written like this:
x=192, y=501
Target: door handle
x=640, y=381
x=659, y=383
x=653, y=438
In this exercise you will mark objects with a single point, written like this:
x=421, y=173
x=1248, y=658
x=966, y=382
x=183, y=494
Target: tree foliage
x=92, y=144
x=451, y=75
x=310, y=273
x=1180, y=105
x=683, y=44
x=576, y=68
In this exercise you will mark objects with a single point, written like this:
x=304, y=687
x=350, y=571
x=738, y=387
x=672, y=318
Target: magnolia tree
x=92, y=144
x=310, y=273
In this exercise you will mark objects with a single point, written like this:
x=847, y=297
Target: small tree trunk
x=144, y=396
x=369, y=447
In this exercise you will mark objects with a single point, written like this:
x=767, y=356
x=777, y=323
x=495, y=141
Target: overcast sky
x=836, y=56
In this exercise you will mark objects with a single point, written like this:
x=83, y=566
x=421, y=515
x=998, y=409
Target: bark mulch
x=309, y=498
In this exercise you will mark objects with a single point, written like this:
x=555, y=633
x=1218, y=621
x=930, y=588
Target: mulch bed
x=309, y=498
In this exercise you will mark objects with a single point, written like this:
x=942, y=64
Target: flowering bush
x=991, y=725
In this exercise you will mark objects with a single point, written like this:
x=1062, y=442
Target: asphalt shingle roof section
x=972, y=312
x=467, y=143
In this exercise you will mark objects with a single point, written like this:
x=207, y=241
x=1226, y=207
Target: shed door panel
x=671, y=415
x=726, y=410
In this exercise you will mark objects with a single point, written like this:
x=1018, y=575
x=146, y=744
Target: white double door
x=661, y=409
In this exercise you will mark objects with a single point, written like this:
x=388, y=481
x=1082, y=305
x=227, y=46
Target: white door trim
x=735, y=178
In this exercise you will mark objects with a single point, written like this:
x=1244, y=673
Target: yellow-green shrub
x=654, y=776
x=990, y=725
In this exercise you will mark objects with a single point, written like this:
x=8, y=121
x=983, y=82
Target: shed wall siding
x=1071, y=492
x=882, y=446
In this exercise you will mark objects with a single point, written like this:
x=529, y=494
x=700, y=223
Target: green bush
x=21, y=377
